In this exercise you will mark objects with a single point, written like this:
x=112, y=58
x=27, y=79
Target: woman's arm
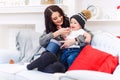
x=80, y=40
x=45, y=38
x=86, y=38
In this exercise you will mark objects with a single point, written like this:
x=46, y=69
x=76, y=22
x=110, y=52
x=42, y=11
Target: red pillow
x=118, y=36
x=94, y=59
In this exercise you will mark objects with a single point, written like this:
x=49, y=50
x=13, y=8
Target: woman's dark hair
x=50, y=26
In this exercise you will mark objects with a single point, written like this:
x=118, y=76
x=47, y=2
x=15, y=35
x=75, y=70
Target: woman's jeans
x=68, y=56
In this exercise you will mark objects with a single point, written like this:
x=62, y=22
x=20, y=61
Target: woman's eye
x=54, y=18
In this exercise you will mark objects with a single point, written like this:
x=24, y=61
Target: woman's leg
x=55, y=67
x=44, y=60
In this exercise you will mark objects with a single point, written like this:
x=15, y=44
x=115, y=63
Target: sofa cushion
x=87, y=75
x=34, y=75
x=7, y=54
x=20, y=72
x=94, y=59
x=107, y=42
x=12, y=68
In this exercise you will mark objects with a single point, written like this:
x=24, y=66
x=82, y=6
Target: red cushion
x=118, y=36
x=94, y=59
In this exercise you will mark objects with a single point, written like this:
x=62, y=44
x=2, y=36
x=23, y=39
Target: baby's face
x=74, y=25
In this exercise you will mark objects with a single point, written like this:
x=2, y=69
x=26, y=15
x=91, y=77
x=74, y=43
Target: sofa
x=27, y=46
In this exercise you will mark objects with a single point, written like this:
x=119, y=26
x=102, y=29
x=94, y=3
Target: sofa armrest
x=117, y=71
x=6, y=55
x=87, y=75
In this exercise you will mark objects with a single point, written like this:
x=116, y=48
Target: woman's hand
x=62, y=31
x=67, y=43
x=87, y=37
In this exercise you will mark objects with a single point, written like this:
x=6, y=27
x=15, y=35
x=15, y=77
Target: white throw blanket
x=27, y=42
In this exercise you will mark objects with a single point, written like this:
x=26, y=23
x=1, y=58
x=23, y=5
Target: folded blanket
x=27, y=42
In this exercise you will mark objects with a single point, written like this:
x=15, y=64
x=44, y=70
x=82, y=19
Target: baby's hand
x=67, y=43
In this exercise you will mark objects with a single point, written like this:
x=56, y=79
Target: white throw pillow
x=107, y=42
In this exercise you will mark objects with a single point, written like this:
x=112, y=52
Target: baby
x=77, y=24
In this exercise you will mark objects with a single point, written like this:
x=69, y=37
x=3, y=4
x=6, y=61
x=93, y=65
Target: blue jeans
x=68, y=56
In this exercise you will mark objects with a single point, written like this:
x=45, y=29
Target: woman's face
x=57, y=18
x=74, y=25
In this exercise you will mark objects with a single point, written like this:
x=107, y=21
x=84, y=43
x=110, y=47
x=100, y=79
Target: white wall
x=108, y=8
x=108, y=18
x=71, y=6
x=107, y=26
x=8, y=34
x=19, y=2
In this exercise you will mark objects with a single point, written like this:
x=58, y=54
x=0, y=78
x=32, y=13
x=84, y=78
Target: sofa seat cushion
x=88, y=75
x=12, y=68
x=8, y=71
x=94, y=59
x=6, y=76
x=34, y=75
x=20, y=72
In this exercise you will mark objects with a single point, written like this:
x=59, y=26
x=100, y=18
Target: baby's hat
x=82, y=17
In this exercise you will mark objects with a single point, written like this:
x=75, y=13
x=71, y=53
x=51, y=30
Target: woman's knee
x=55, y=67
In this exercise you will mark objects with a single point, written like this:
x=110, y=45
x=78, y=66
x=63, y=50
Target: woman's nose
x=59, y=19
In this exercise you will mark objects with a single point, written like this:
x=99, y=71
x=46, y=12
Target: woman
x=56, y=23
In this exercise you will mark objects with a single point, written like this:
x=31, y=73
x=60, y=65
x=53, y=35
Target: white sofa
x=102, y=40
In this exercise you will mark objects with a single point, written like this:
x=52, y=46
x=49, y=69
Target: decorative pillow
x=107, y=42
x=94, y=59
x=118, y=37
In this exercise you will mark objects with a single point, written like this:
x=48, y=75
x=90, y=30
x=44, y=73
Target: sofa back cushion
x=107, y=42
